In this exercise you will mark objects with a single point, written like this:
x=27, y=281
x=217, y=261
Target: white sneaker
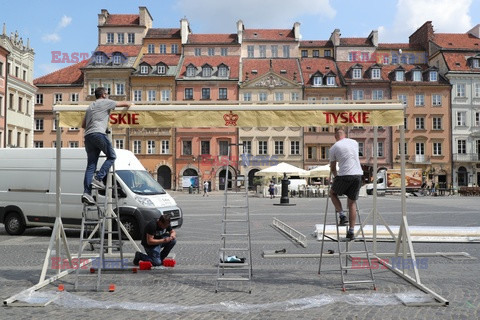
x=88, y=199
x=97, y=183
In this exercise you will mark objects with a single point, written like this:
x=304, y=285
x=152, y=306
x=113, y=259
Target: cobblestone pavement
x=281, y=289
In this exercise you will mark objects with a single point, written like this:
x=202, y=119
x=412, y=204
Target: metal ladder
x=347, y=255
x=235, y=235
x=96, y=224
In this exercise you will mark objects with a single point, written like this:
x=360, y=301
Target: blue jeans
x=94, y=143
x=156, y=255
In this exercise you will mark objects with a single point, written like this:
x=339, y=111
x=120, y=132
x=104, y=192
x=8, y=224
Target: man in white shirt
x=348, y=179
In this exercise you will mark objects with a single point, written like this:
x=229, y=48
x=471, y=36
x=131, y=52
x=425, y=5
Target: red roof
x=458, y=61
x=344, y=68
x=269, y=34
x=286, y=68
x=129, y=51
x=168, y=59
x=163, y=33
x=457, y=41
x=68, y=75
x=123, y=19
x=355, y=42
x=217, y=38
x=315, y=43
x=311, y=65
x=394, y=46
x=232, y=62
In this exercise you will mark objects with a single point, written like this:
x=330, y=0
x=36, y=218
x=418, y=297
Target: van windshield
x=140, y=182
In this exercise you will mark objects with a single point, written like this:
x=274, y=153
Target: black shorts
x=347, y=185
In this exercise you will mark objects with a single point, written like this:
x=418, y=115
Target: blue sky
x=69, y=26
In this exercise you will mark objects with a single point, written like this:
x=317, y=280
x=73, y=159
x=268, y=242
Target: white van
x=28, y=184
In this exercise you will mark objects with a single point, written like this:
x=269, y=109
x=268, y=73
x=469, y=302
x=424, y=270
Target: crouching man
x=158, y=240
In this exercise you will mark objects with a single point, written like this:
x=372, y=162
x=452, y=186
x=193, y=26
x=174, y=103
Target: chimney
x=4, y=29
x=240, y=28
x=102, y=17
x=373, y=37
x=475, y=31
x=335, y=37
x=145, y=17
x=184, y=30
x=422, y=36
x=296, y=31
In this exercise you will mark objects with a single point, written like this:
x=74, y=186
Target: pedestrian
x=271, y=190
x=158, y=240
x=95, y=124
x=348, y=180
x=205, y=188
x=432, y=188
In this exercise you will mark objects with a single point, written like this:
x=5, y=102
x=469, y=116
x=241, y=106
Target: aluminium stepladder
x=235, y=234
x=96, y=225
x=360, y=259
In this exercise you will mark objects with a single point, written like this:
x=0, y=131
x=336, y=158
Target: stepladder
x=100, y=231
x=355, y=263
x=235, y=252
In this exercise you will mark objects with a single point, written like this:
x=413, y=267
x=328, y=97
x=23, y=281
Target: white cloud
x=446, y=16
x=65, y=21
x=47, y=68
x=51, y=37
x=218, y=16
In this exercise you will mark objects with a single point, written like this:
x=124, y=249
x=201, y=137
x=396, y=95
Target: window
x=247, y=96
x=161, y=69
x=73, y=144
x=376, y=73
x=286, y=51
x=38, y=124
x=137, y=95
x=405, y=122
x=190, y=71
x=475, y=63
x=361, y=149
x=143, y=69
x=324, y=152
x=1, y=69
x=262, y=147
x=417, y=75
x=174, y=48
x=188, y=94
x=437, y=123
x=294, y=147
x=165, y=95
x=433, y=76
x=151, y=95
x=420, y=123
x=419, y=100
x=437, y=148
x=380, y=149
x=419, y=149
x=24, y=77
x=436, y=100
x=403, y=59
x=402, y=98
x=222, y=93
x=206, y=71
x=316, y=53
x=312, y=129
x=304, y=53
x=357, y=94
x=278, y=96
x=187, y=148
x=163, y=48
x=311, y=153
x=278, y=147
x=262, y=96
x=120, y=89
x=386, y=59
x=295, y=96
x=131, y=38
x=224, y=51
x=477, y=120
x=399, y=75
x=110, y=37
x=222, y=71
x=461, y=118
x=326, y=53
x=151, y=48
x=461, y=146
x=317, y=80
x=108, y=87
x=460, y=90
x=137, y=146
x=247, y=149
x=476, y=90
x=250, y=51
x=352, y=56
x=119, y=144
x=38, y=144
x=74, y=97
x=150, y=147
x=57, y=98
x=99, y=59
x=223, y=148
x=274, y=50
x=39, y=98
x=165, y=147
x=93, y=87
x=377, y=94
x=205, y=147
x=357, y=73
x=211, y=51
x=365, y=56
x=205, y=93
x=120, y=38
x=400, y=151
x=117, y=59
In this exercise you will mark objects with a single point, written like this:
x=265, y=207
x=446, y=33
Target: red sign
x=230, y=119
x=124, y=118
x=347, y=117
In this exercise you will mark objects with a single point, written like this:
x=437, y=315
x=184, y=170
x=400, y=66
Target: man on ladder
x=348, y=179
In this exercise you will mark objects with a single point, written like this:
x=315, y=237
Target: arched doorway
x=462, y=176
x=164, y=177
x=190, y=177
x=221, y=179
x=251, y=176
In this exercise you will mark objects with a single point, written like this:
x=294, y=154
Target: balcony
x=420, y=159
x=466, y=157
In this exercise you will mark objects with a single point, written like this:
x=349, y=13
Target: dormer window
x=317, y=80
x=417, y=75
x=475, y=63
x=206, y=71
x=222, y=71
x=190, y=71
x=99, y=58
x=357, y=73
x=399, y=75
x=144, y=69
x=117, y=59
x=433, y=76
x=330, y=80
x=161, y=69
x=376, y=73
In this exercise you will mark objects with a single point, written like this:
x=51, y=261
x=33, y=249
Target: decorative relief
x=271, y=82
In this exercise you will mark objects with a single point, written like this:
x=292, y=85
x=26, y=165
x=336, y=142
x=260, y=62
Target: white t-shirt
x=345, y=152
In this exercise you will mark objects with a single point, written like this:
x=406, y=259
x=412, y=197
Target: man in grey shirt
x=95, y=124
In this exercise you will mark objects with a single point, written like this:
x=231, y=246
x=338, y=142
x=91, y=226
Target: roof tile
x=68, y=75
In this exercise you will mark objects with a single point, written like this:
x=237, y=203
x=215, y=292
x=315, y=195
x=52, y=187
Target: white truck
x=390, y=180
x=28, y=190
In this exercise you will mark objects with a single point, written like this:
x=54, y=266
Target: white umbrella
x=319, y=172
x=279, y=169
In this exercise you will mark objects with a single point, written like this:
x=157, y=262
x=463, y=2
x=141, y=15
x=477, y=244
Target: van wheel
x=132, y=227
x=14, y=224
